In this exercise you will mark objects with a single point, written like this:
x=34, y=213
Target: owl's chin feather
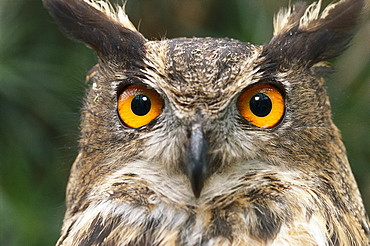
x=132, y=206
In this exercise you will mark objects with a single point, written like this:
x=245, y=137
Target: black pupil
x=141, y=105
x=260, y=105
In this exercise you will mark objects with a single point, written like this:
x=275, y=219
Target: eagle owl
x=211, y=141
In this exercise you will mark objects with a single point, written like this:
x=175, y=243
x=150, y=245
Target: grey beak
x=197, y=159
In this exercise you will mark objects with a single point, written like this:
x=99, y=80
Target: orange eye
x=138, y=106
x=262, y=105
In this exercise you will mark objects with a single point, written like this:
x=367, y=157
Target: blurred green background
x=42, y=86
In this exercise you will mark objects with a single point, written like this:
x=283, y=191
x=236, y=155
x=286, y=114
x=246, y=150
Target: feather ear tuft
x=303, y=34
x=117, y=14
x=96, y=23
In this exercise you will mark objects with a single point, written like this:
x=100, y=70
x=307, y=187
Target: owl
x=211, y=141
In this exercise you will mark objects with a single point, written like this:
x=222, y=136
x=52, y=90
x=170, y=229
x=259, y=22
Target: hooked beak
x=197, y=161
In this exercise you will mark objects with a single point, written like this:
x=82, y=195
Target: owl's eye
x=138, y=105
x=262, y=105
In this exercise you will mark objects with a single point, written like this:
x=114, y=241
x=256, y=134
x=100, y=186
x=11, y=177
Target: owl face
x=211, y=141
x=198, y=108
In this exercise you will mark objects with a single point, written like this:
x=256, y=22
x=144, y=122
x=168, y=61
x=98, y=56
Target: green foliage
x=41, y=89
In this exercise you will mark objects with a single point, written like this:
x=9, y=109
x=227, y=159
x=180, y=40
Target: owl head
x=200, y=123
x=197, y=106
